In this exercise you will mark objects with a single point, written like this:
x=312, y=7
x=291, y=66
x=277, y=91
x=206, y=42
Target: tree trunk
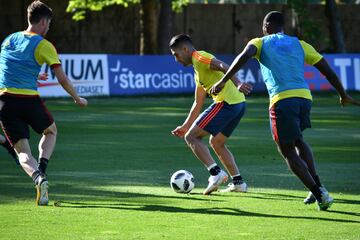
x=336, y=34
x=149, y=26
x=165, y=26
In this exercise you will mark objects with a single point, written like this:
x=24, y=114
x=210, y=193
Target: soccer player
x=22, y=54
x=219, y=120
x=282, y=59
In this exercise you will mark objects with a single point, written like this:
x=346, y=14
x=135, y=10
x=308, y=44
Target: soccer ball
x=182, y=181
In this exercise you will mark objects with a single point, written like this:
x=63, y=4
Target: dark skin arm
x=218, y=65
x=239, y=61
x=333, y=79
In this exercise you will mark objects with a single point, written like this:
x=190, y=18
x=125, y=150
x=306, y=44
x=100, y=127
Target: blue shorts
x=221, y=117
x=289, y=117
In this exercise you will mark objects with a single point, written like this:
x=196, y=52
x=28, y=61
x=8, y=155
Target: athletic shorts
x=289, y=117
x=18, y=113
x=221, y=117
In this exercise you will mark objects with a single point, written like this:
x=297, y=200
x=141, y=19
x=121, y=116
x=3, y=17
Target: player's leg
x=194, y=140
x=4, y=141
x=305, y=153
x=46, y=146
x=285, y=123
x=26, y=159
x=228, y=119
x=30, y=166
x=227, y=159
x=14, y=124
x=217, y=143
x=6, y=144
x=297, y=165
x=203, y=127
x=43, y=123
x=299, y=168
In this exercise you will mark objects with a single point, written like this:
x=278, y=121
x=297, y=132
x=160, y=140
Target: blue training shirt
x=282, y=60
x=18, y=66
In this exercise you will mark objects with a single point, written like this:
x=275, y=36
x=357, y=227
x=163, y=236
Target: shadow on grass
x=277, y=196
x=210, y=211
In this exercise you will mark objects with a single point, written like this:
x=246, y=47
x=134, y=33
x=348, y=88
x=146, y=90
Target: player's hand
x=43, y=76
x=348, y=100
x=245, y=88
x=179, y=131
x=82, y=102
x=217, y=87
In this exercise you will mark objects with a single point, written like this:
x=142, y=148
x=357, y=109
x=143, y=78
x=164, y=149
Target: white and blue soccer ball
x=182, y=181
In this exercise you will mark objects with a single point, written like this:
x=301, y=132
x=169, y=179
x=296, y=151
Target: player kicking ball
x=219, y=120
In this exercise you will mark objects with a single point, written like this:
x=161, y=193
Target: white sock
x=211, y=166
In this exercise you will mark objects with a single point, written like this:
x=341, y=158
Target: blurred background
x=219, y=26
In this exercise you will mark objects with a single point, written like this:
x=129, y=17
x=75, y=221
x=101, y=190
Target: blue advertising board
x=106, y=74
x=130, y=74
x=346, y=66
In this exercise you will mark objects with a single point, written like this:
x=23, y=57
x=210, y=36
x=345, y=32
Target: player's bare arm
x=218, y=65
x=67, y=85
x=333, y=79
x=249, y=52
x=200, y=96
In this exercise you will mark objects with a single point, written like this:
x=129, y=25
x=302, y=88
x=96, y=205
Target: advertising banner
x=132, y=74
x=106, y=74
x=346, y=66
x=87, y=72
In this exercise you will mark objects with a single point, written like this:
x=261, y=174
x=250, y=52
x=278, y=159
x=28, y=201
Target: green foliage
x=178, y=5
x=310, y=30
x=79, y=7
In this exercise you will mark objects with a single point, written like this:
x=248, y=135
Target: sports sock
x=317, y=192
x=36, y=176
x=237, y=179
x=43, y=162
x=317, y=180
x=214, y=169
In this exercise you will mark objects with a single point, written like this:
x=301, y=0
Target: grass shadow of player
x=209, y=211
x=74, y=193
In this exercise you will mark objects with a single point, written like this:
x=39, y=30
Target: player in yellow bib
x=219, y=120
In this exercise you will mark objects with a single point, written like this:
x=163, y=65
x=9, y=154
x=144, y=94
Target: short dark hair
x=275, y=17
x=180, y=39
x=38, y=10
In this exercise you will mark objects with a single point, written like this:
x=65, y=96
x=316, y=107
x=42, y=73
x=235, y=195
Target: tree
x=336, y=32
x=155, y=22
x=310, y=30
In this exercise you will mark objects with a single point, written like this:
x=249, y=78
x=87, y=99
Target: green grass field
x=111, y=168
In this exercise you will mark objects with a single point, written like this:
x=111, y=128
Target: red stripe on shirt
x=201, y=58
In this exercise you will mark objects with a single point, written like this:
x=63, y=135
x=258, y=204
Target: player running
x=22, y=54
x=219, y=120
x=282, y=60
